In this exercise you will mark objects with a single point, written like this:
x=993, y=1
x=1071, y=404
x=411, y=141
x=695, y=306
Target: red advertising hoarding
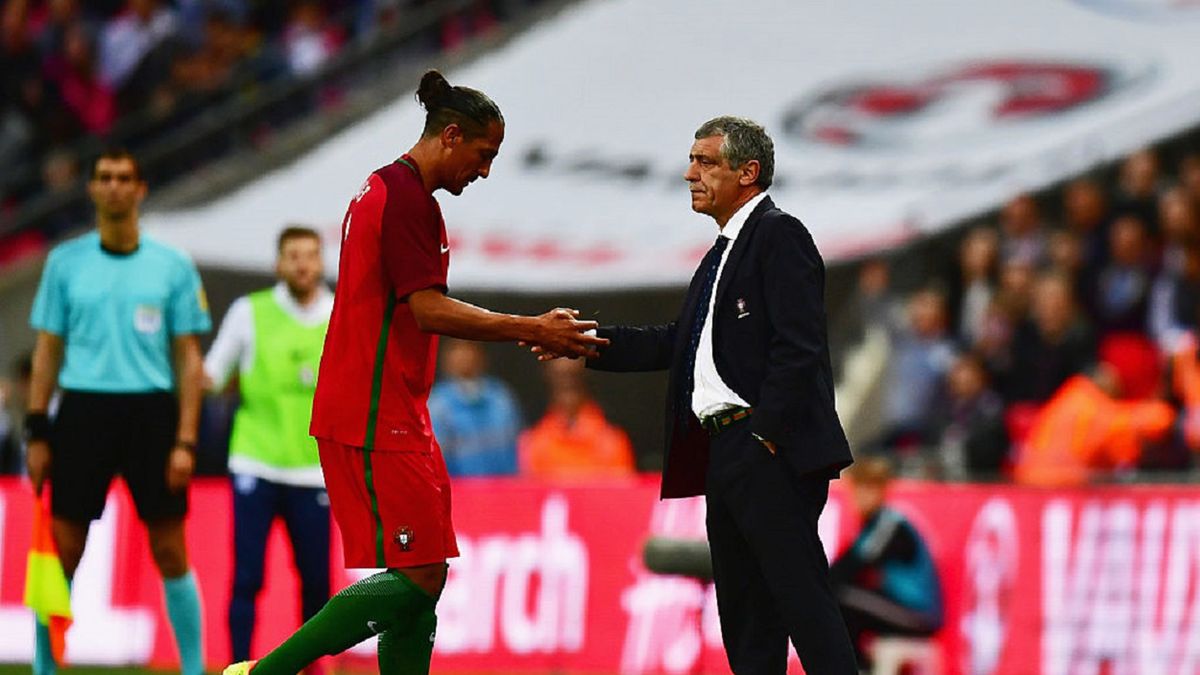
x=550, y=578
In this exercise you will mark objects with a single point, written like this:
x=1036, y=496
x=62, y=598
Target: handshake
x=559, y=333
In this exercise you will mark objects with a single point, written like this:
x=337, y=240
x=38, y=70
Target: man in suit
x=750, y=417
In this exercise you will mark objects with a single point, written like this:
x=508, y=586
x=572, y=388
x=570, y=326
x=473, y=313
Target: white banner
x=891, y=120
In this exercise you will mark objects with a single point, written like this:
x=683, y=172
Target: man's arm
x=793, y=285
x=47, y=360
x=233, y=339
x=636, y=348
x=557, y=331
x=189, y=377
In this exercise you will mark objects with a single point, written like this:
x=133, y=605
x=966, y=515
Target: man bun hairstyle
x=744, y=140
x=445, y=104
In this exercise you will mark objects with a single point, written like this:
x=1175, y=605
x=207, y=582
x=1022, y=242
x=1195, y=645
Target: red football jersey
x=378, y=365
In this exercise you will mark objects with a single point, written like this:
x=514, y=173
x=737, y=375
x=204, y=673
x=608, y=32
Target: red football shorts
x=393, y=508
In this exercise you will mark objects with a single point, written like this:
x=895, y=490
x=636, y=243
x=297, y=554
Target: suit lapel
x=739, y=249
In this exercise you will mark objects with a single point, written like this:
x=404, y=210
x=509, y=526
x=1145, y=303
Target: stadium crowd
x=1059, y=345
x=134, y=70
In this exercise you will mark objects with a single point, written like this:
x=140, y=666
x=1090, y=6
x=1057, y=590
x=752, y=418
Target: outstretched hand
x=560, y=333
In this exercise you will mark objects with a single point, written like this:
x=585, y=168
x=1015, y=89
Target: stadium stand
x=186, y=82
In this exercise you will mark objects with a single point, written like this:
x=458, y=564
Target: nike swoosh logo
x=373, y=627
x=445, y=249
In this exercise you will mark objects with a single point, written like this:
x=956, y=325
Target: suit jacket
x=769, y=346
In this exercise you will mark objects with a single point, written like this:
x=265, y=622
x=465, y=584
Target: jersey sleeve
x=234, y=340
x=50, y=304
x=188, y=303
x=412, y=246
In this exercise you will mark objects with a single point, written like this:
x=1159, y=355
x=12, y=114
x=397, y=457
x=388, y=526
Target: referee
x=117, y=316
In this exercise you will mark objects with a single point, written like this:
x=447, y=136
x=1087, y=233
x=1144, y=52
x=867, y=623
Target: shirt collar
x=735, y=224
x=285, y=299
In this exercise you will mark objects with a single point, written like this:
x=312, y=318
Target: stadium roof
x=891, y=120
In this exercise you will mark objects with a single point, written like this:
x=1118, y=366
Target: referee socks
x=183, y=609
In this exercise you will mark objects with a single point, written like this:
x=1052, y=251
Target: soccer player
x=273, y=339
x=117, y=316
x=385, y=474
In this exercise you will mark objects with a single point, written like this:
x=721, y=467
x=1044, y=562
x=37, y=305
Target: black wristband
x=190, y=446
x=37, y=426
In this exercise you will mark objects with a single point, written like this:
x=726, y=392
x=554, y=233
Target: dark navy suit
x=770, y=348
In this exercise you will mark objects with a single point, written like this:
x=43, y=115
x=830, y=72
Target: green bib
x=271, y=426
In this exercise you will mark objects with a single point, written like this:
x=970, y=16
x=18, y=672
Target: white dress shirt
x=710, y=394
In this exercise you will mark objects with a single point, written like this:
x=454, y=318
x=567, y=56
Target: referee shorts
x=96, y=436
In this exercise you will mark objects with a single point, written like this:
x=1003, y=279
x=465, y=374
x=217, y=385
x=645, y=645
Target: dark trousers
x=867, y=611
x=305, y=513
x=770, y=569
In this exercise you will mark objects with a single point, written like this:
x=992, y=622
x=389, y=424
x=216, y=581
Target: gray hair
x=743, y=140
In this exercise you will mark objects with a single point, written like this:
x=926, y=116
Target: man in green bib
x=273, y=339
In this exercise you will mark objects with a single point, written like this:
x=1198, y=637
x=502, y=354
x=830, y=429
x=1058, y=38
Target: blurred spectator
x=1138, y=188
x=14, y=398
x=1184, y=377
x=227, y=53
x=967, y=431
x=573, y=439
x=478, y=18
x=10, y=434
x=1189, y=178
x=886, y=582
x=873, y=304
x=308, y=38
x=1174, y=301
x=475, y=416
x=1180, y=220
x=1086, y=215
x=73, y=70
x=31, y=113
x=1066, y=256
x=1023, y=235
x=61, y=179
x=921, y=354
x=62, y=16
x=270, y=16
x=1008, y=310
x=973, y=288
x=130, y=36
x=1084, y=433
x=1119, y=297
x=1054, y=344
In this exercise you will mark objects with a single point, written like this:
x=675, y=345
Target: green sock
x=376, y=604
x=406, y=650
